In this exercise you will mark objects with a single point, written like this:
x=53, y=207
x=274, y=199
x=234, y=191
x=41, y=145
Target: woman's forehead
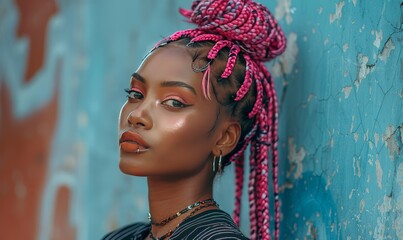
x=169, y=59
x=179, y=52
x=169, y=64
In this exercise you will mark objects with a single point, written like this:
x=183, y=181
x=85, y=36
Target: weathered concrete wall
x=64, y=65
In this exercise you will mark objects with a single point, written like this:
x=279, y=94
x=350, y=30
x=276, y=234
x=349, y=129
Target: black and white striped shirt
x=211, y=224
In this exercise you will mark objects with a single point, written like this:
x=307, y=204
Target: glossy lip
x=133, y=139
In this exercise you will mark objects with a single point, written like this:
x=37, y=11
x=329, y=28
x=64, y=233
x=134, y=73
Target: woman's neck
x=166, y=198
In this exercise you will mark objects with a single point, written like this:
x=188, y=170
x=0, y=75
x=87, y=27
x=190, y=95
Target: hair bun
x=245, y=22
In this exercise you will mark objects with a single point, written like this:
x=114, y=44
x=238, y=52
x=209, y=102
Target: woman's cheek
x=184, y=127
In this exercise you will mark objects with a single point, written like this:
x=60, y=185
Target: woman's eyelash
x=128, y=90
x=176, y=103
x=171, y=102
x=133, y=93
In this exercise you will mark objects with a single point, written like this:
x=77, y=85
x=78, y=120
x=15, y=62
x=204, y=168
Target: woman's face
x=167, y=127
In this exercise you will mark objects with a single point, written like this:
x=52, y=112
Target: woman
x=194, y=104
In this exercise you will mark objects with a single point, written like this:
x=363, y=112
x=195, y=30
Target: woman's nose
x=140, y=118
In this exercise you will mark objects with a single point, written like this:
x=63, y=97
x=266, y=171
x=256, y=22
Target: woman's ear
x=229, y=138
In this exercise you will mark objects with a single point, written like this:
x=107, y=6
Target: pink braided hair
x=248, y=28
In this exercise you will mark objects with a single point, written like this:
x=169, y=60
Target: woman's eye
x=133, y=94
x=175, y=103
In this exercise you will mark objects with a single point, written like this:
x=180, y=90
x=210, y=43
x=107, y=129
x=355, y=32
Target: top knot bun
x=248, y=24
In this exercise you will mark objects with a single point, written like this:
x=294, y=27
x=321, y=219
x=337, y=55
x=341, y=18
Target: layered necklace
x=195, y=206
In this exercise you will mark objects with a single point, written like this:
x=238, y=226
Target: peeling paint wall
x=64, y=65
x=341, y=119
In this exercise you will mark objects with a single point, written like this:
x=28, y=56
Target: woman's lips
x=132, y=142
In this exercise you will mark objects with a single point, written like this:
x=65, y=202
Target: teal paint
x=341, y=119
x=340, y=86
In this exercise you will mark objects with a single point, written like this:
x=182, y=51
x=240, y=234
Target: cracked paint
x=320, y=10
x=311, y=231
x=376, y=137
x=362, y=205
x=338, y=14
x=378, y=38
x=345, y=47
x=284, y=9
x=383, y=209
x=366, y=135
x=392, y=141
x=295, y=158
x=357, y=166
x=288, y=59
x=346, y=90
x=362, y=28
x=388, y=48
x=363, y=69
x=352, y=124
x=351, y=193
x=356, y=135
x=398, y=222
x=328, y=182
x=379, y=173
x=370, y=162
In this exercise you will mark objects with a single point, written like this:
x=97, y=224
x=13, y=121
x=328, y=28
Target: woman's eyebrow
x=138, y=77
x=178, y=84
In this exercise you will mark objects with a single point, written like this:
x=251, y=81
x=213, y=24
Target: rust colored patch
x=33, y=24
x=24, y=152
x=62, y=229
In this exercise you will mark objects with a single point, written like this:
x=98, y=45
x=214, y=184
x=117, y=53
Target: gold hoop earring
x=214, y=163
x=218, y=168
x=220, y=163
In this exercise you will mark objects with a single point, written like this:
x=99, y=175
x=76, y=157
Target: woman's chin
x=131, y=167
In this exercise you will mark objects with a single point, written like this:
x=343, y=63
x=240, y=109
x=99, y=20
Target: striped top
x=210, y=224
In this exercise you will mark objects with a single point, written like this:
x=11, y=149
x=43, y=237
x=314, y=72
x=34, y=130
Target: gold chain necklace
x=170, y=232
x=186, y=209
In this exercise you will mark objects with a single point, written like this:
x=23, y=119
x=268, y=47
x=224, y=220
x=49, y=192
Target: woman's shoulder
x=211, y=224
x=132, y=231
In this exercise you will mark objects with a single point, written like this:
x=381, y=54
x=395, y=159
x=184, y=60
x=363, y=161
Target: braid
x=252, y=192
x=239, y=166
x=262, y=172
x=245, y=35
x=247, y=82
x=207, y=37
x=217, y=47
x=273, y=137
x=189, y=33
x=233, y=53
x=258, y=103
